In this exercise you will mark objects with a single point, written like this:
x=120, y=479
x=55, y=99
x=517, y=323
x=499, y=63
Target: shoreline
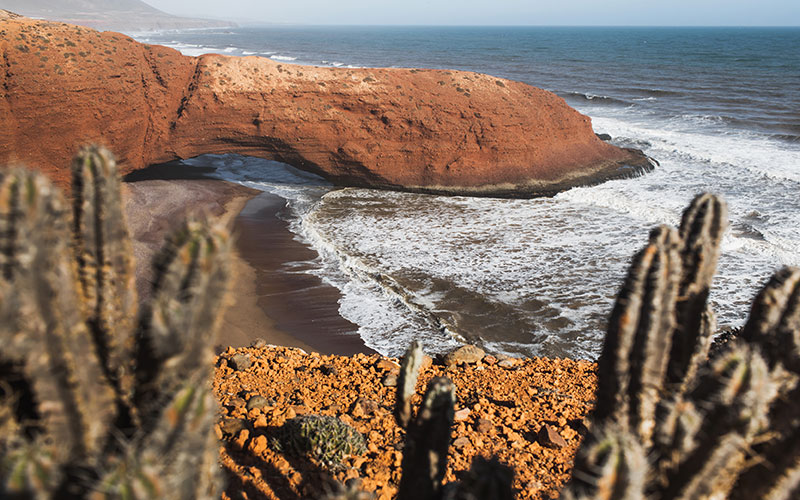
x=298, y=303
x=265, y=302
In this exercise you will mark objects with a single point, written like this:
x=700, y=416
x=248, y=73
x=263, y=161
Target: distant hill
x=117, y=15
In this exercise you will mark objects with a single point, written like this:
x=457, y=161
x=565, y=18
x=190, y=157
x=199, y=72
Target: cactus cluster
x=669, y=422
x=96, y=398
x=323, y=438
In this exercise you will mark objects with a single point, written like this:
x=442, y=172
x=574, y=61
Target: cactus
x=611, y=466
x=701, y=230
x=325, y=439
x=407, y=383
x=104, y=258
x=94, y=401
x=698, y=421
x=632, y=365
x=485, y=480
x=427, y=441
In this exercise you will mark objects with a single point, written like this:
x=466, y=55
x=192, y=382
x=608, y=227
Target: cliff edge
x=434, y=131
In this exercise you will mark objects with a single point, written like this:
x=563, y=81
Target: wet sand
x=299, y=303
x=266, y=302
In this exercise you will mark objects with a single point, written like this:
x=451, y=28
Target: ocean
x=718, y=108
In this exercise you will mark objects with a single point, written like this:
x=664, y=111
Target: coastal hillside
x=433, y=131
x=117, y=15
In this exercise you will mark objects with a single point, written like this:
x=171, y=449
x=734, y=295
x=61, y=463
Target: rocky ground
x=528, y=413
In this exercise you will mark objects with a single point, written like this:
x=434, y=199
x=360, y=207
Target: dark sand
x=267, y=302
x=299, y=303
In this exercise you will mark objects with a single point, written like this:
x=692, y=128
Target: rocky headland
x=118, y=15
x=433, y=131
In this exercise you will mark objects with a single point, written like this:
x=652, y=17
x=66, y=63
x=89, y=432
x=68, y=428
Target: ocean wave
x=651, y=92
x=283, y=58
x=595, y=99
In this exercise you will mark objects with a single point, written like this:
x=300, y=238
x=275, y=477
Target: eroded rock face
x=437, y=131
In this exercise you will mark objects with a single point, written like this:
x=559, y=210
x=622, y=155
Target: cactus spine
x=75, y=357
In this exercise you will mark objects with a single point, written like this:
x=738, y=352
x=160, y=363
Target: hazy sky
x=503, y=12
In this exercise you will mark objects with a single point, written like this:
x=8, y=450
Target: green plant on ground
x=323, y=438
x=93, y=401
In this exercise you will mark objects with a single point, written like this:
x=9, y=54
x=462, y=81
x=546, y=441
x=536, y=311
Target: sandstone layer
x=435, y=131
x=528, y=413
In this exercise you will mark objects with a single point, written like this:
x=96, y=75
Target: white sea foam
x=535, y=277
x=553, y=263
x=283, y=58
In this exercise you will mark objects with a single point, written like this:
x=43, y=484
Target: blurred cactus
x=485, y=480
x=407, y=383
x=427, y=443
x=699, y=422
x=93, y=401
x=104, y=257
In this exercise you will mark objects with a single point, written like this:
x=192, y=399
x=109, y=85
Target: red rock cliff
x=62, y=86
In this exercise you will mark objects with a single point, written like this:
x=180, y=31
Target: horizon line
x=398, y=25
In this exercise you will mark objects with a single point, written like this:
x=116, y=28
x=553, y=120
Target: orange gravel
x=501, y=409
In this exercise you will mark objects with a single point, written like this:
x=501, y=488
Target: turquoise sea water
x=719, y=108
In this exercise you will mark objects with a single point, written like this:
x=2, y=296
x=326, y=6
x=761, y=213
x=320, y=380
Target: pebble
x=468, y=354
x=461, y=442
x=240, y=362
x=508, y=364
x=258, y=445
x=390, y=380
x=232, y=426
x=364, y=407
x=257, y=402
x=461, y=414
x=550, y=438
x=328, y=370
x=387, y=365
x=484, y=425
x=236, y=402
x=258, y=343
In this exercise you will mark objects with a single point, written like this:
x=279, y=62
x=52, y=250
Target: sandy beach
x=266, y=302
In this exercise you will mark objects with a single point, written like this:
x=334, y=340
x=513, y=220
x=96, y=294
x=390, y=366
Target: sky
x=496, y=12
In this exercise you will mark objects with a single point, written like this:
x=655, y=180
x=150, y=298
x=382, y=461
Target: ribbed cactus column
x=774, y=326
x=104, y=257
x=71, y=342
x=428, y=440
x=633, y=362
x=177, y=327
x=701, y=230
x=612, y=466
x=42, y=330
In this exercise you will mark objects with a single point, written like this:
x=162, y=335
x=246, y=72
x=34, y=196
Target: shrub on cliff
x=97, y=398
